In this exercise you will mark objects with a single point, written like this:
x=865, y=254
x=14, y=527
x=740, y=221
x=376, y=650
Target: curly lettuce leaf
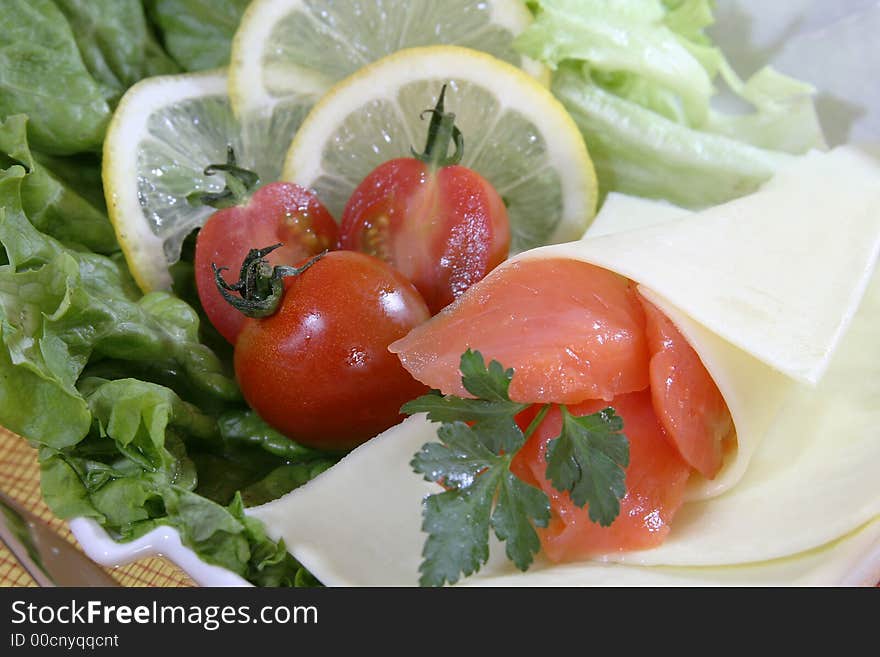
x=620, y=37
x=61, y=308
x=138, y=421
x=58, y=205
x=133, y=473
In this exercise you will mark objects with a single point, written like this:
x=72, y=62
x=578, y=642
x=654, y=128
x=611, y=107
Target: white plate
x=793, y=35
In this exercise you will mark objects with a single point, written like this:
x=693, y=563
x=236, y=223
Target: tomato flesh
x=319, y=369
x=443, y=229
x=276, y=213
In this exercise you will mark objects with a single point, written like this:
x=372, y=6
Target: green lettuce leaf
x=61, y=308
x=782, y=117
x=663, y=113
x=197, y=33
x=53, y=202
x=620, y=37
x=43, y=75
x=138, y=422
x=133, y=473
x=642, y=153
x=116, y=43
x=252, y=459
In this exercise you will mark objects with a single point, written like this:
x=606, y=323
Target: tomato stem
x=260, y=286
x=441, y=131
x=239, y=183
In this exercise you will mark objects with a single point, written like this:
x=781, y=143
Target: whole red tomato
x=440, y=224
x=318, y=369
x=278, y=212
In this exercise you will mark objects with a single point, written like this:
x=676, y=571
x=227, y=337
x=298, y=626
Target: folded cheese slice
x=766, y=289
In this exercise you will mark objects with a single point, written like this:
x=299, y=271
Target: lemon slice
x=289, y=52
x=517, y=135
x=163, y=134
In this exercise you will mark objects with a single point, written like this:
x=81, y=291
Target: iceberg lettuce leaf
x=663, y=113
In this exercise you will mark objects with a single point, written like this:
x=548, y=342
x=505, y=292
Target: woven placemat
x=20, y=479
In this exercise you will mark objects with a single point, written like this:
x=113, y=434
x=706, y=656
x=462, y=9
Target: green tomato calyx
x=260, y=286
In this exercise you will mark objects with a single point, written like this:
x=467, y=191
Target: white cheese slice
x=621, y=212
x=359, y=523
x=754, y=391
x=803, y=476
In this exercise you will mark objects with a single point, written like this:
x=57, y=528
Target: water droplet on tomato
x=356, y=357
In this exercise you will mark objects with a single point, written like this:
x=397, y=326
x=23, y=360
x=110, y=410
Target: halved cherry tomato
x=278, y=212
x=442, y=225
x=318, y=369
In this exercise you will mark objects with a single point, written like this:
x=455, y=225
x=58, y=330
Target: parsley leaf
x=518, y=509
x=450, y=408
x=489, y=383
x=588, y=460
x=478, y=440
x=468, y=462
x=457, y=459
x=457, y=522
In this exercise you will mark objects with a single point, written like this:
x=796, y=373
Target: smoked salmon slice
x=686, y=399
x=570, y=331
x=583, y=336
x=655, y=483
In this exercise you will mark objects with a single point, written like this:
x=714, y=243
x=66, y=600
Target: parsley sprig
x=478, y=440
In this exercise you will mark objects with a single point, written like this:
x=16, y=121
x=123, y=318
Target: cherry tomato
x=276, y=213
x=319, y=369
x=442, y=225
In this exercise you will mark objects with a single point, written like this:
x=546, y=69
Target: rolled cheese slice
x=770, y=290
